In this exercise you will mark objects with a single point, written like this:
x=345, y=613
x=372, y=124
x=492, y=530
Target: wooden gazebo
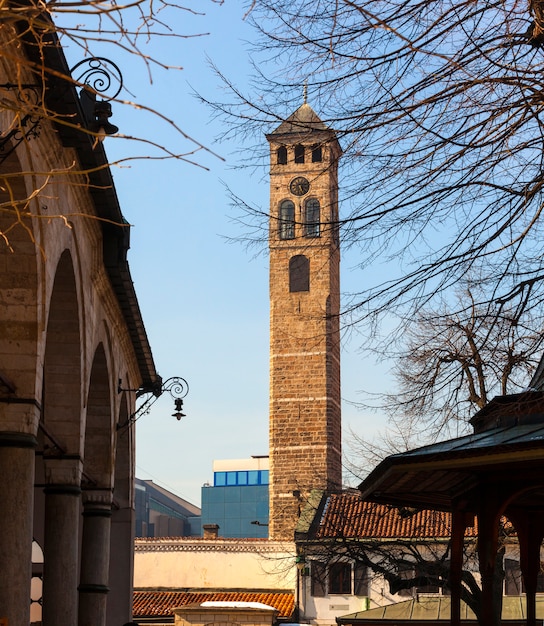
x=497, y=471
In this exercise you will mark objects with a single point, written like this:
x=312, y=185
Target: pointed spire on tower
x=305, y=92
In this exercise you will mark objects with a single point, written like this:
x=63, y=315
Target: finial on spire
x=305, y=92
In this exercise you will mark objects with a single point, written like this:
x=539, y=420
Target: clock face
x=299, y=186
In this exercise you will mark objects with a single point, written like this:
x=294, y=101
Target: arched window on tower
x=312, y=216
x=287, y=220
x=317, y=154
x=299, y=273
x=299, y=153
x=281, y=155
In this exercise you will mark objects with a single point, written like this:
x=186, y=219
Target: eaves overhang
x=61, y=96
x=440, y=475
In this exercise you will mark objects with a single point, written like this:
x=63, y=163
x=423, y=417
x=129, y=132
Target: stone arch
x=124, y=451
x=18, y=288
x=62, y=425
x=98, y=446
x=62, y=378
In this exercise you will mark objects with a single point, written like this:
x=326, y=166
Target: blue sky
x=204, y=300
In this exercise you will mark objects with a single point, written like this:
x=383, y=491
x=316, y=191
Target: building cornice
x=183, y=544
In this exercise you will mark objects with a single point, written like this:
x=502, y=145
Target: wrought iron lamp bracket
x=29, y=96
x=98, y=76
x=176, y=386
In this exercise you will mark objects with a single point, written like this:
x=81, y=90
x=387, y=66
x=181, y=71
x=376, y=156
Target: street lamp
x=176, y=386
x=98, y=76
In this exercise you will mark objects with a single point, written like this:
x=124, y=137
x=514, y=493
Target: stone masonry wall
x=305, y=417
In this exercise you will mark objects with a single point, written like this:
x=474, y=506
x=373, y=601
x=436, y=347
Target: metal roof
x=434, y=476
x=426, y=609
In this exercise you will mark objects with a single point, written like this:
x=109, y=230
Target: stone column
x=95, y=557
x=121, y=566
x=16, y=521
x=61, y=541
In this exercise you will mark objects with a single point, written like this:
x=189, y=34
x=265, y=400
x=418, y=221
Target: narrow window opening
x=312, y=216
x=299, y=154
x=318, y=573
x=317, y=154
x=299, y=273
x=281, y=155
x=287, y=220
x=340, y=578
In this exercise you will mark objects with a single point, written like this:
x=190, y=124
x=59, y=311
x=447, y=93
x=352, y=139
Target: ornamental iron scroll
x=28, y=100
x=99, y=75
x=176, y=386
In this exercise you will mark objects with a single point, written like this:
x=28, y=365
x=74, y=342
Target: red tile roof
x=347, y=515
x=161, y=603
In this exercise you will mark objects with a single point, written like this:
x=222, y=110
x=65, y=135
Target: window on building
x=361, y=580
x=287, y=220
x=318, y=572
x=232, y=478
x=220, y=479
x=340, y=578
x=512, y=578
x=240, y=478
x=299, y=273
x=428, y=570
x=299, y=153
x=281, y=155
x=317, y=154
x=312, y=215
x=429, y=574
x=406, y=572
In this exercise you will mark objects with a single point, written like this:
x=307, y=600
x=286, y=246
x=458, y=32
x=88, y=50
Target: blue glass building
x=238, y=500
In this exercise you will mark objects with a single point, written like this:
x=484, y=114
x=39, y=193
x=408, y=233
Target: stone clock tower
x=305, y=419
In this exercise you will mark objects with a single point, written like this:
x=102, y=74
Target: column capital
x=20, y=415
x=97, y=501
x=63, y=472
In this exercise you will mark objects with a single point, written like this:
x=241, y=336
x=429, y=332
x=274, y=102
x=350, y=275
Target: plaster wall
x=209, y=564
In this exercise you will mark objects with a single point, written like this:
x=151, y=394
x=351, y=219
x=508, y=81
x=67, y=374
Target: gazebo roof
x=436, y=475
